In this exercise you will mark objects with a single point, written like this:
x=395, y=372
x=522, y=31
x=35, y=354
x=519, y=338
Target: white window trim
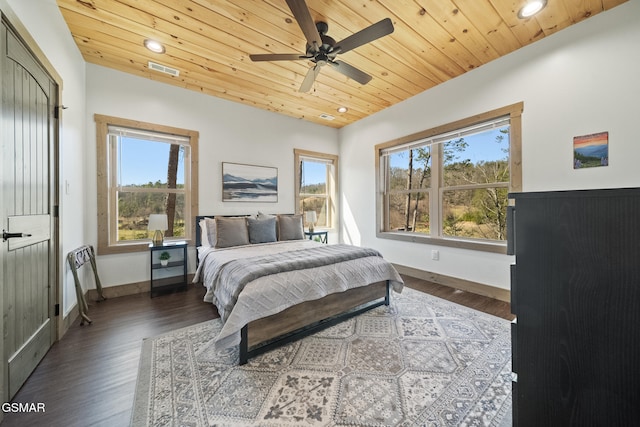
x=106, y=234
x=513, y=112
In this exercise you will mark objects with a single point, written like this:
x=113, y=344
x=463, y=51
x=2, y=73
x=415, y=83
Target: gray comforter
x=250, y=282
x=237, y=273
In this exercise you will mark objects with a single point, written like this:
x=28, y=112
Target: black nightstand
x=173, y=275
x=322, y=235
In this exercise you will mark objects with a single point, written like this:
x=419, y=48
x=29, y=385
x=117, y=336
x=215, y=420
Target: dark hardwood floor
x=477, y=302
x=88, y=378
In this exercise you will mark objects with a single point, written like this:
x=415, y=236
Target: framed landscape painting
x=249, y=183
x=591, y=150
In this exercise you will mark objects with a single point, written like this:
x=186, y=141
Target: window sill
x=138, y=246
x=492, y=246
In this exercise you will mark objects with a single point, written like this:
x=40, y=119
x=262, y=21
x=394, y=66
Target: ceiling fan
x=322, y=49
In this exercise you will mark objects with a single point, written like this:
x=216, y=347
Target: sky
x=144, y=161
x=601, y=138
x=314, y=173
x=481, y=146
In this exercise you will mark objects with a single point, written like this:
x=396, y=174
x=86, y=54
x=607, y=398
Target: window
x=144, y=169
x=449, y=185
x=316, y=186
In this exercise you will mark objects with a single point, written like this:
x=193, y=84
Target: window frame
x=514, y=113
x=105, y=244
x=332, y=183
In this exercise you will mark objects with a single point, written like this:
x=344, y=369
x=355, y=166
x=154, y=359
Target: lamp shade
x=311, y=217
x=157, y=222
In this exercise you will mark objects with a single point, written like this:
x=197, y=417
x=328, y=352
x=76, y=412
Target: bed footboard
x=309, y=317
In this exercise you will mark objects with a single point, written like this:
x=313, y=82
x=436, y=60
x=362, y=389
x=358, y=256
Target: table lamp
x=157, y=222
x=311, y=219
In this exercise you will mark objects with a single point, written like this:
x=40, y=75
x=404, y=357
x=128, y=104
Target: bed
x=272, y=286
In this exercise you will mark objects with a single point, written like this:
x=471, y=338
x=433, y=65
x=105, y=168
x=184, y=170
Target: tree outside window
x=143, y=169
x=149, y=179
x=476, y=184
x=451, y=183
x=316, y=186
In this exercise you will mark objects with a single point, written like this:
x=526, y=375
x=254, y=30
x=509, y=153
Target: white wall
x=229, y=132
x=579, y=81
x=44, y=23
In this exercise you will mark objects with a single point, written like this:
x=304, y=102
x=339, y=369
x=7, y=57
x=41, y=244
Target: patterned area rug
x=420, y=361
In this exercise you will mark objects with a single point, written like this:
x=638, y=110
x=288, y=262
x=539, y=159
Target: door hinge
x=56, y=211
x=57, y=310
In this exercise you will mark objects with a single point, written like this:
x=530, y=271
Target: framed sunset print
x=591, y=150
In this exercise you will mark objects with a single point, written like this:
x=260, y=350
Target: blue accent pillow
x=262, y=230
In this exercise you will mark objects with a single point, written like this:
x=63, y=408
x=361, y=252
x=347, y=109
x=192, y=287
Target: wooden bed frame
x=306, y=318
x=309, y=317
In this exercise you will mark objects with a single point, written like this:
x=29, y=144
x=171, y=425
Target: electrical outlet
x=435, y=255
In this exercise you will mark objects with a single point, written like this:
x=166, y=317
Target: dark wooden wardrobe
x=575, y=290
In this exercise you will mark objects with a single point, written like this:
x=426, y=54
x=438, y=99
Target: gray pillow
x=262, y=215
x=262, y=230
x=290, y=227
x=210, y=227
x=231, y=232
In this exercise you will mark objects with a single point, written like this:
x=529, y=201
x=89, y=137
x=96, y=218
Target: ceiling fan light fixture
x=531, y=8
x=342, y=109
x=322, y=49
x=154, y=46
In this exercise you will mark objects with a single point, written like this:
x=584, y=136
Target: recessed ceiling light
x=342, y=109
x=154, y=46
x=531, y=8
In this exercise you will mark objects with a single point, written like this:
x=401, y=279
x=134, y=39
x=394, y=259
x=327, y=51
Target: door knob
x=6, y=236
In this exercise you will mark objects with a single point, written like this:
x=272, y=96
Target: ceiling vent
x=163, y=69
x=326, y=116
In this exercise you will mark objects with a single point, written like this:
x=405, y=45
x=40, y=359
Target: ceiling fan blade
x=367, y=35
x=277, y=57
x=307, y=83
x=305, y=21
x=351, y=72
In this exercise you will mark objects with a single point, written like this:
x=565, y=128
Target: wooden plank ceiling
x=209, y=42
